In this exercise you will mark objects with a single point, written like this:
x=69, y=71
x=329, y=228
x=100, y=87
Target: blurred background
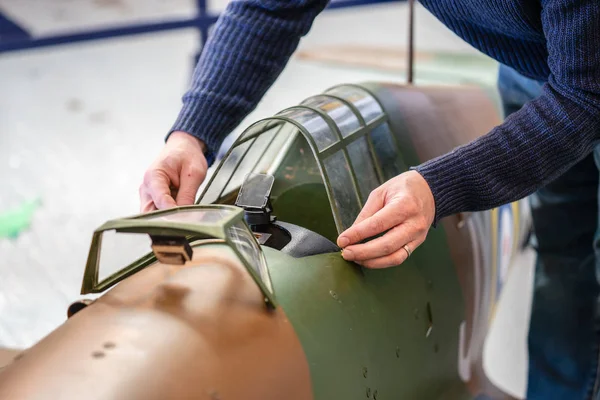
x=81, y=120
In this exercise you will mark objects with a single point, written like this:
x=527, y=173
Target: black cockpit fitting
x=254, y=198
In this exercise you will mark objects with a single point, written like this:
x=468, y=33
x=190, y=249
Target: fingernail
x=343, y=241
x=348, y=255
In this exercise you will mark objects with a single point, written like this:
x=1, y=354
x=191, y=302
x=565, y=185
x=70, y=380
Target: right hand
x=174, y=177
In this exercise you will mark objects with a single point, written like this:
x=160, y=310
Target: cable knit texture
x=557, y=41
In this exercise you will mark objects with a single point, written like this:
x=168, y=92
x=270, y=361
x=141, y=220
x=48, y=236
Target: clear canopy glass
x=351, y=147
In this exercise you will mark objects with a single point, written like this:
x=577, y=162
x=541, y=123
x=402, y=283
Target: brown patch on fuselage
x=7, y=356
x=201, y=331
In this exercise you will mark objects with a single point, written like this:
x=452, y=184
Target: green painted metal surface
x=370, y=331
x=393, y=333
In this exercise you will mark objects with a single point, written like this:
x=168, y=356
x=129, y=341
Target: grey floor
x=80, y=123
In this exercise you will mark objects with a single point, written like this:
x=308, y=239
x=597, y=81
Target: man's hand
x=404, y=205
x=175, y=176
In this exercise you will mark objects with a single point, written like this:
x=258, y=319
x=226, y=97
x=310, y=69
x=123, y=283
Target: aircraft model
x=245, y=294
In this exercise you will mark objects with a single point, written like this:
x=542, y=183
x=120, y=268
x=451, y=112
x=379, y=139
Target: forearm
x=543, y=139
x=532, y=147
x=250, y=46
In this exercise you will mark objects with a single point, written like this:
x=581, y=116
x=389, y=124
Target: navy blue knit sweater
x=557, y=41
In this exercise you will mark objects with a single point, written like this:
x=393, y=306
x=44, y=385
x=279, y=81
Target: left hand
x=174, y=177
x=406, y=207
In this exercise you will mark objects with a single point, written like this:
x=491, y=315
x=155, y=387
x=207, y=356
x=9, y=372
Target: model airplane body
x=246, y=296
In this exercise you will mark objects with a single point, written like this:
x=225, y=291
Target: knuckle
x=387, y=248
x=376, y=225
x=186, y=192
x=186, y=198
x=196, y=171
x=355, y=236
x=410, y=206
x=170, y=163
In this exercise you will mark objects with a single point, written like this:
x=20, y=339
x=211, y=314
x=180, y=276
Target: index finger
x=160, y=191
x=374, y=203
x=381, y=221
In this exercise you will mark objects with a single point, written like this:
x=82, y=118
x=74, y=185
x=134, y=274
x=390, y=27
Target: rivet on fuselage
x=368, y=393
x=365, y=372
x=333, y=294
x=397, y=352
x=375, y=395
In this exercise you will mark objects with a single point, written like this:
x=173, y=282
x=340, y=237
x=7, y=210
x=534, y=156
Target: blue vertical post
x=10, y=30
x=203, y=25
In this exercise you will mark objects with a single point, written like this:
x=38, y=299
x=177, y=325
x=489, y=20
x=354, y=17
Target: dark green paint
x=350, y=319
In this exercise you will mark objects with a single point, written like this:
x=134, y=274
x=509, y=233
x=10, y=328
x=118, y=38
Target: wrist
x=429, y=200
x=184, y=136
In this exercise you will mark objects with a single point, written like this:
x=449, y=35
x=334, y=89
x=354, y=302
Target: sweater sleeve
x=542, y=140
x=251, y=44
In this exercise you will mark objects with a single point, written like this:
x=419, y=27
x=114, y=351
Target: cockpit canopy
x=292, y=182
x=335, y=146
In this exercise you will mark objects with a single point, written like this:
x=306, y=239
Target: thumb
x=189, y=182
